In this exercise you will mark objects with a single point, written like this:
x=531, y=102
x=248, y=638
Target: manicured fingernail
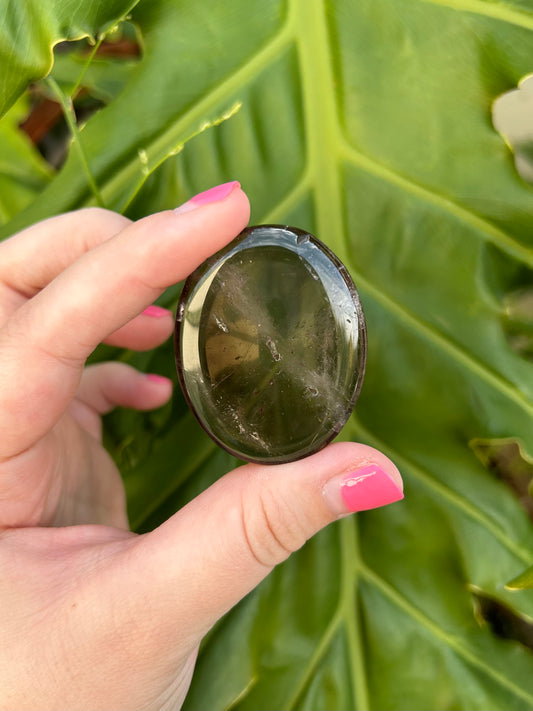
x=362, y=489
x=216, y=194
x=155, y=378
x=156, y=311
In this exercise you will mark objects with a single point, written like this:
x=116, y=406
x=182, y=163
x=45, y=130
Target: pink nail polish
x=155, y=378
x=368, y=488
x=155, y=311
x=216, y=194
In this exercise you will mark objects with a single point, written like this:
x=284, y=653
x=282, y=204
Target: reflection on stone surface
x=270, y=345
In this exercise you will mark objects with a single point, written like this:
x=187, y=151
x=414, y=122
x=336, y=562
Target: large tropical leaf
x=30, y=29
x=368, y=123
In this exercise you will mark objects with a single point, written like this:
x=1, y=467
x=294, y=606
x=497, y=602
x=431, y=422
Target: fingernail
x=155, y=378
x=362, y=489
x=155, y=311
x=216, y=194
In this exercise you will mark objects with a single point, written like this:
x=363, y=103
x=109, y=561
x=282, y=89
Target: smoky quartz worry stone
x=271, y=345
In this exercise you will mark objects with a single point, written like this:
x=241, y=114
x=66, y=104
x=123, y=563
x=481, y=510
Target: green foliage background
x=369, y=124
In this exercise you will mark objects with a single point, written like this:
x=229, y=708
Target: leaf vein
x=458, y=353
x=351, y=570
x=487, y=230
x=495, y=11
x=444, y=492
x=394, y=595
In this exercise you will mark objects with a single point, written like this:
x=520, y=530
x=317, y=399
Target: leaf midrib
x=322, y=133
x=345, y=614
x=401, y=602
x=308, y=20
x=320, y=115
x=310, y=28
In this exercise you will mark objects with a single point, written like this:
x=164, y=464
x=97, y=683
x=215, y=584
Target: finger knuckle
x=99, y=215
x=273, y=528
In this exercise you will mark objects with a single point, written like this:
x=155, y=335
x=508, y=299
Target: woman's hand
x=95, y=617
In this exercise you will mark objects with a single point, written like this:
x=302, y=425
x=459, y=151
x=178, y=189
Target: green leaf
x=522, y=581
x=369, y=124
x=104, y=78
x=23, y=172
x=30, y=29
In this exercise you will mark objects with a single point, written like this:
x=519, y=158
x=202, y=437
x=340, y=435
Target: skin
x=95, y=616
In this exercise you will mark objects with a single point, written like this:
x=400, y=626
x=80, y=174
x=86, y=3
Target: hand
x=94, y=616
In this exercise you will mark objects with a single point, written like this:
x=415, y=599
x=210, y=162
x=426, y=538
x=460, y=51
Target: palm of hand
x=62, y=475
x=66, y=478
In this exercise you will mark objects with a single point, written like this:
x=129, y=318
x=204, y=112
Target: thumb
x=203, y=560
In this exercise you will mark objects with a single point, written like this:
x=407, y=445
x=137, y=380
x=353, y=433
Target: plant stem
x=86, y=66
x=70, y=118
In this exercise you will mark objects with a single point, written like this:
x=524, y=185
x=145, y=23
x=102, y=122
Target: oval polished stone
x=271, y=345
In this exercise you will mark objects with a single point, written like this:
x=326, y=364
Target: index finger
x=30, y=259
x=44, y=345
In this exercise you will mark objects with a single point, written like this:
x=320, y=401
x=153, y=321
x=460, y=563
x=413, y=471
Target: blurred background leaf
x=29, y=30
x=368, y=124
x=23, y=171
x=524, y=580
